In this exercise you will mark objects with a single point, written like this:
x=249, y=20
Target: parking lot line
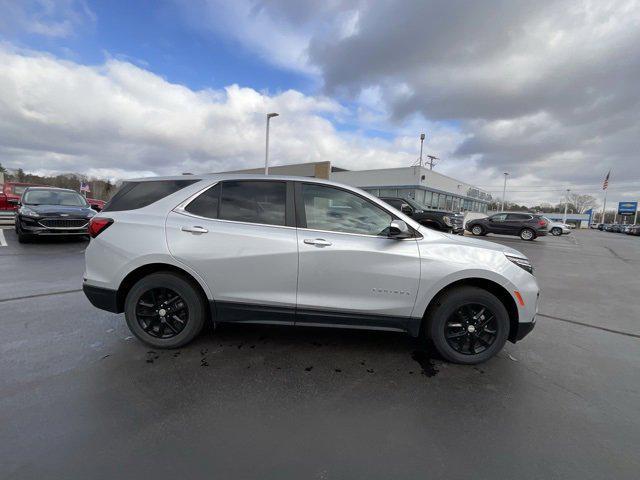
x=3, y=241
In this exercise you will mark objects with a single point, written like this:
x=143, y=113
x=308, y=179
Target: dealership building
x=423, y=185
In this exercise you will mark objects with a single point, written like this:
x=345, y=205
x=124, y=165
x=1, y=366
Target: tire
x=527, y=234
x=445, y=313
x=153, y=290
x=477, y=230
x=556, y=232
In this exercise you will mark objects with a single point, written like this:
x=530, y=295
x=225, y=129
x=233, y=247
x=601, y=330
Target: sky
x=547, y=91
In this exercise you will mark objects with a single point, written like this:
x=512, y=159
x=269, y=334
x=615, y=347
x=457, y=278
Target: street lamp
x=504, y=191
x=422, y=137
x=266, y=149
x=566, y=205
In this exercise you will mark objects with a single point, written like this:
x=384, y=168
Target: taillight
x=542, y=223
x=97, y=225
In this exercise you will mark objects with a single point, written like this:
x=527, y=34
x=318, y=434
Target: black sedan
x=48, y=211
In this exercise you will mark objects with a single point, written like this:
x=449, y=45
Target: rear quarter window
x=134, y=195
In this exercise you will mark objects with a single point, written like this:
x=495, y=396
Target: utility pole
x=504, y=191
x=422, y=137
x=266, y=148
x=431, y=159
x=566, y=205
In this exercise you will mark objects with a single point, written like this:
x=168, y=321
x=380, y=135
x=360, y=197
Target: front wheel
x=468, y=325
x=165, y=310
x=555, y=231
x=527, y=234
x=477, y=230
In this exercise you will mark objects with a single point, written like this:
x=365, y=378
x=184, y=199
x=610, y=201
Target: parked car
x=557, y=228
x=10, y=193
x=634, y=230
x=437, y=219
x=49, y=211
x=96, y=204
x=174, y=252
x=525, y=225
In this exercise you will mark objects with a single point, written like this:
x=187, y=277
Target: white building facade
x=430, y=188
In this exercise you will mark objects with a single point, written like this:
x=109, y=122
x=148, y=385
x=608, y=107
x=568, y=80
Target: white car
x=175, y=252
x=558, y=228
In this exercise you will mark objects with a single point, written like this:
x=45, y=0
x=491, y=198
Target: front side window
x=254, y=202
x=499, y=218
x=335, y=210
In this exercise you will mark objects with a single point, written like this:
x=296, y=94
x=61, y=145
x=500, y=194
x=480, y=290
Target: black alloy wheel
x=471, y=329
x=166, y=309
x=162, y=313
x=467, y=325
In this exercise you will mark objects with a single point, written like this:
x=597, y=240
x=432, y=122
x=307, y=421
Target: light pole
x=422, y=136
x=566, y=205
x=266, y=148
x=504, y=191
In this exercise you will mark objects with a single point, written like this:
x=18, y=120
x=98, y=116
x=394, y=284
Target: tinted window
x=499, y=218
x=54, y=197
x=254, y=202
x=518, y=216
x=132, y=195
x=394, y=203
x=335, y=210
x=206, y=204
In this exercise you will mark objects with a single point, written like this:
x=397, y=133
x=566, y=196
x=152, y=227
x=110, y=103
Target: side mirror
x=407, y=210
x=399, y=229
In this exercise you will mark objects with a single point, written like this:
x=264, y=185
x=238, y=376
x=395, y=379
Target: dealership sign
x=627, y=208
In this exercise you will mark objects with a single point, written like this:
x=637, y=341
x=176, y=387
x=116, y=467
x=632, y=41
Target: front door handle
x=194, y=229
x=318, y=242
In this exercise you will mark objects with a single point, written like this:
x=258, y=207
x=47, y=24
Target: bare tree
x=581, y=203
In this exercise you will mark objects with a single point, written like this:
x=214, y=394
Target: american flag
x=84, y=187
x=605, y=184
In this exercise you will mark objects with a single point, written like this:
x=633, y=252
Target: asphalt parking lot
x=80, y=398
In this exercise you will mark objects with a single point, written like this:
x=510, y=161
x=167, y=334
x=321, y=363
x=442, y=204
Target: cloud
x=546, y=90
x=48, y=18
x=121, y=120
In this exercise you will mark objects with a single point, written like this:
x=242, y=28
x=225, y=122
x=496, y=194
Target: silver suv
x=175, y=252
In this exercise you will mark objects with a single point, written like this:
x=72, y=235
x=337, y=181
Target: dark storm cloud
x=530, y=82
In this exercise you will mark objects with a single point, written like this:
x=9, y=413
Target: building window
x=373, y=191
x=442, y=202
x=428, y=196
x=388, y=192
x=407, y=193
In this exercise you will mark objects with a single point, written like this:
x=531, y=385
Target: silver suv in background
x=175, y=252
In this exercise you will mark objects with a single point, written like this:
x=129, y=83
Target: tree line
x=100, y=189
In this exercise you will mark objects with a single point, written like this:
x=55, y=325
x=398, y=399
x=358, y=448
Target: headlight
x=523, y=263
x=447, y=221
x=27, y=212
x=91, y=214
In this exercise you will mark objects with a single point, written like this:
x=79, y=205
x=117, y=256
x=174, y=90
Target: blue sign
x=627, y=208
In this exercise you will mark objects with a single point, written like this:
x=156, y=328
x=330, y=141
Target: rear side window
x=206, y=205
x=518, y=216
x=254, y=202
x=134, y=195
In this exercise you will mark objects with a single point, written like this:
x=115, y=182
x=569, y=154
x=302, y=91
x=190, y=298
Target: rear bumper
x=102, y=298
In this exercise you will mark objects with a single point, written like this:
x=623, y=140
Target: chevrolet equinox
x=175, y=252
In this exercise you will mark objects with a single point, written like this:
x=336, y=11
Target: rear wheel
x=468, y=325
x=165, y=310
x=556, y=231
x=477, y=230
x=527, y=234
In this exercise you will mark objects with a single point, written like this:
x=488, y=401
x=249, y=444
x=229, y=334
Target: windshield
x=54, y=197
x=414, y=204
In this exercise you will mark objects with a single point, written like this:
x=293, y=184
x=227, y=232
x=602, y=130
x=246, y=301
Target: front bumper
x=524, y=329
x=32, y=226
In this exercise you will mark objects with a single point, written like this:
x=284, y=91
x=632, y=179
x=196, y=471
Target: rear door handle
x=318, y=242
x=194, y=229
